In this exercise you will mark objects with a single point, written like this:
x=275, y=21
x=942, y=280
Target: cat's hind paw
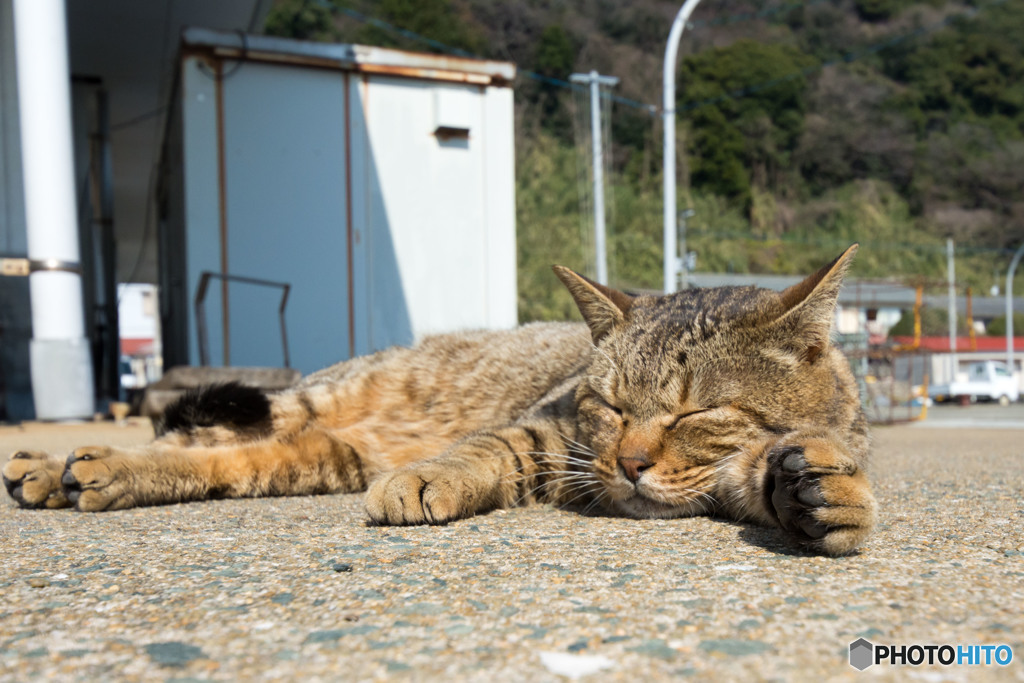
x=33, y=480
x=820, y=496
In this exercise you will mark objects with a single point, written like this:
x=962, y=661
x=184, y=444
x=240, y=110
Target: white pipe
x=60, y=360
x=668, y=108
x=954, y=362
x=595, y=132
x=1009, y=308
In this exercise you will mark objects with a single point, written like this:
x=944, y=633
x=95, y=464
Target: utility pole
x=951, y=275
x=596, y=80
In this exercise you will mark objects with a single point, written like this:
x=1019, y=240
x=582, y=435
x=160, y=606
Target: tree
x=554, y=58
x=749, y=100
x=300, y=19
x=434, y=19
x=934, y=323
x=997, y=327
x=879, y=10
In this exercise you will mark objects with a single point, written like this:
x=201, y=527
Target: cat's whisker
x=615, y=366
x=557, y=456
x=727, y=460
x=599, y=499
x=585, y=449
x=702, y=495
x=558, y=475
x=573, y=479
x=587, y=490
x=562, y=457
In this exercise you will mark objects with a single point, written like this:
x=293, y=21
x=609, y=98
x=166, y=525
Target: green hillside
x=803, y=126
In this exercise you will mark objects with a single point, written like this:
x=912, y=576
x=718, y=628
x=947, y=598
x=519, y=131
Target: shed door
x=285, y=156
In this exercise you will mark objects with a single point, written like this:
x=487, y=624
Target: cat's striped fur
x=730, y=401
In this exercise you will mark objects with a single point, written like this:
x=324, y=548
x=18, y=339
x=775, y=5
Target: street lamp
x=668, y=112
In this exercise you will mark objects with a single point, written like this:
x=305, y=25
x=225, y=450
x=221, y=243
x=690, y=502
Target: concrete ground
x=303, y=589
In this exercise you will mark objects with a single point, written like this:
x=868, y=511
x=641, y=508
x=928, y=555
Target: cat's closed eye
x=608, y=406
x=679, y=418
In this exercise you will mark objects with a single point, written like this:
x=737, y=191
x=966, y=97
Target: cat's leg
x=812, y=485
x=311, y=462
x=484, y=471
x=33, y=480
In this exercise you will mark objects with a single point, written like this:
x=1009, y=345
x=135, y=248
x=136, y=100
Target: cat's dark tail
x=232, y=404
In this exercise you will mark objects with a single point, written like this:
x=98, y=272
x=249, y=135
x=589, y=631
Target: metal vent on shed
x=452, y=113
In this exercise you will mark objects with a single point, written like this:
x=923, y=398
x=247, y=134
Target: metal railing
x=200, y=305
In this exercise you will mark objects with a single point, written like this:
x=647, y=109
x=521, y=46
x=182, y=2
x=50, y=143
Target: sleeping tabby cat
x=729, y=401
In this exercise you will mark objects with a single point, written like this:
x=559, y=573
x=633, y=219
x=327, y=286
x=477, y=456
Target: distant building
x=982, y=348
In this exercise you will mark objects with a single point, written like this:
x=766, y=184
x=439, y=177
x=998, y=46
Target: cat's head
x=680, y=384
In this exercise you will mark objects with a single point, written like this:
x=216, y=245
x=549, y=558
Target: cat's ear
x=602, y=307
x=810, y=305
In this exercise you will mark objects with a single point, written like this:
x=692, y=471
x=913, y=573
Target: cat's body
x=730, y=401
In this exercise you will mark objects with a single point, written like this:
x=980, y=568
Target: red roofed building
x=963, y=344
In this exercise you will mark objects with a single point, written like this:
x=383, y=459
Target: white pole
x=668, y=107
x=1009, y=308
x=684, y=266
x=596, y=80
x=595, y=132
x=951, y=277
x=61, y=365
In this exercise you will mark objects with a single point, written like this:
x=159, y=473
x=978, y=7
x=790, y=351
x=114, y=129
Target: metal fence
x=893, y=381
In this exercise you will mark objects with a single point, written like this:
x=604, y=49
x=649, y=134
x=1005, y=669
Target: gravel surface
x=303, y=589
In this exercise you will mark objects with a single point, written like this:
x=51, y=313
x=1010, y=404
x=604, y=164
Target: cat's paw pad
x=33, y=480
x=820, y=497
x=96, y=479
x=418, y=496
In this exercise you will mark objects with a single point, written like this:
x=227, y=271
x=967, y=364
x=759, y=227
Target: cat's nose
x=632, y=466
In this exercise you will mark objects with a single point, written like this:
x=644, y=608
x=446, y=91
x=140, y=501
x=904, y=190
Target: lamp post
x=668, y=109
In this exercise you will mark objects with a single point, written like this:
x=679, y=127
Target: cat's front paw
x=820, y=496
x=96, y=479
x=33, y=480
x=419, y=495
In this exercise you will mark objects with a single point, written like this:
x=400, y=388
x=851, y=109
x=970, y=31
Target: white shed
x=377, y=184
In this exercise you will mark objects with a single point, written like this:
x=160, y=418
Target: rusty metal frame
x=222, y=191
x=200, y=306
x=348, y=218
x=358, y=59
